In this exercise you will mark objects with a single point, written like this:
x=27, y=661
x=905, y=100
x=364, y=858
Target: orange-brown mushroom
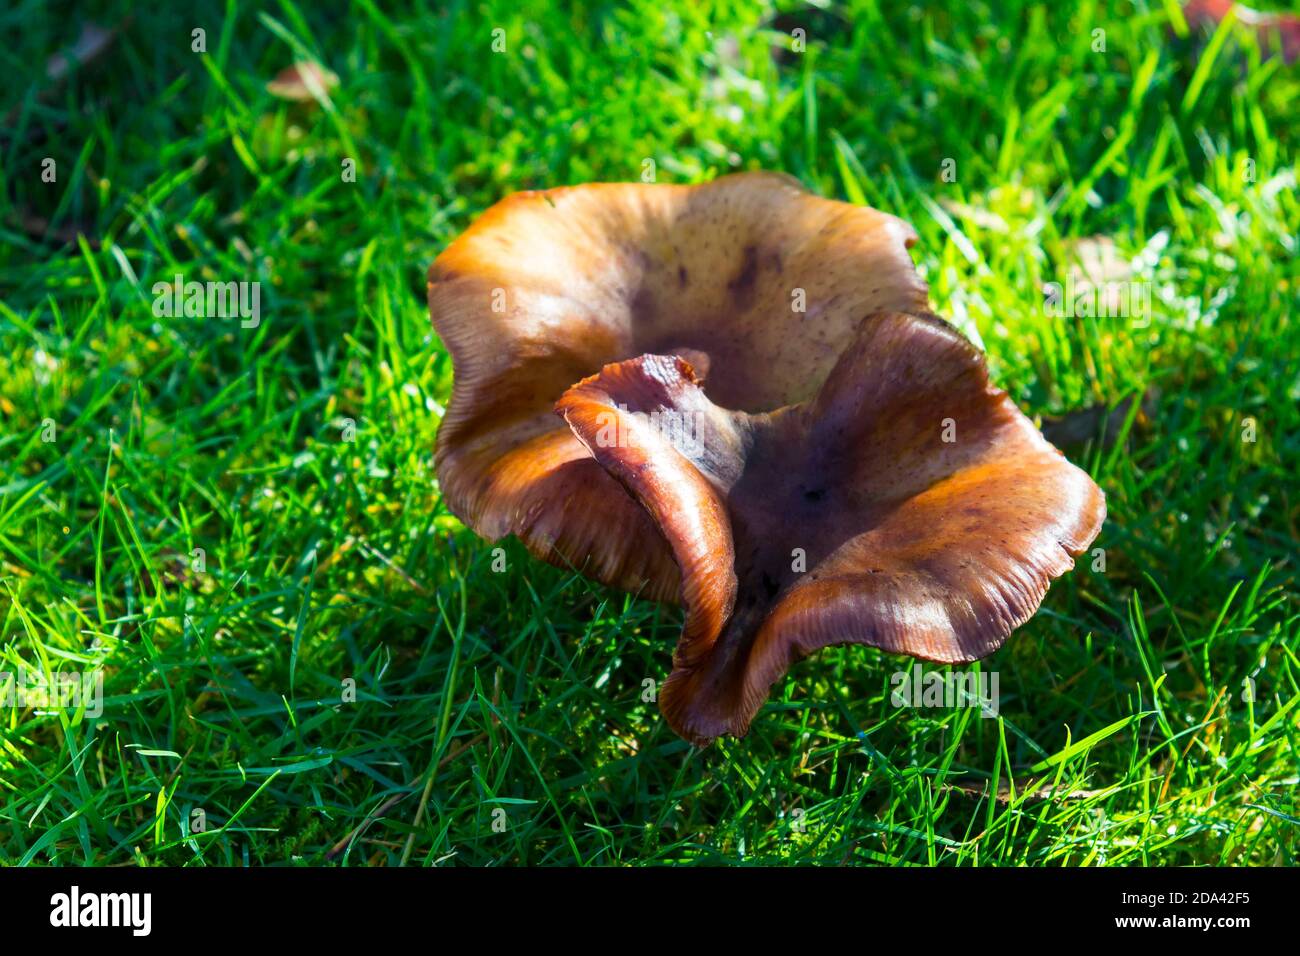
x=846, y=474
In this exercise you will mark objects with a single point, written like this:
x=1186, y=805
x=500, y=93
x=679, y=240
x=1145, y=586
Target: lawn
x=306, y=659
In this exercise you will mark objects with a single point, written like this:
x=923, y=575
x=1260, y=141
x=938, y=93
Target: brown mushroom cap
x=548, y=287
x=912, y=543
x=302, y=81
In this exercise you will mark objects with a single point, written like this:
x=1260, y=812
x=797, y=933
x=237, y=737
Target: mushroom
x=303, y=81
x=844, y=474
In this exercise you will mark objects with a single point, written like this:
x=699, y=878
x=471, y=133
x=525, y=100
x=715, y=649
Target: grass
x=498, y=717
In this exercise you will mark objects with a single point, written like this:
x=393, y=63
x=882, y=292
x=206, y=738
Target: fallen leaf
x=1097, y=422
x=1285, y=26
x=93, y=43
x=90, y=46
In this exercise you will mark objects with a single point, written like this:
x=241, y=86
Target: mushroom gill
x=766, y=426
